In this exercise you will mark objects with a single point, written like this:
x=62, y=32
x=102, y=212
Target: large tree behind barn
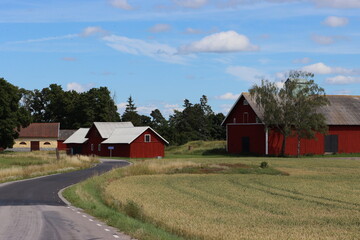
x=292, y=109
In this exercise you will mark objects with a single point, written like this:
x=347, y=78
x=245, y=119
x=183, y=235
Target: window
x=245, y=102
x=246, y=117
x=99, y=147
x=23, y=143
x=47, y=143
x=147, y=138
x=92, y=147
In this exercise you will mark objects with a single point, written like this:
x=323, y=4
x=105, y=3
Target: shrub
x=264, y=165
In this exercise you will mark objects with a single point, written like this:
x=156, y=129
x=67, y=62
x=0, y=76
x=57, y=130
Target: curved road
x=32, y=209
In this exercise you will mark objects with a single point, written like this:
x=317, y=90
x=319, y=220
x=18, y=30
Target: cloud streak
x=155, y=50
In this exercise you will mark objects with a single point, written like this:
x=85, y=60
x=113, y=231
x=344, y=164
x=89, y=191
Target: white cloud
x=334, y=21
x=338, y=3
x=341, y=79
x=193, y=31
x=228, y=96
x=160, y=28
x=78, y=87
x=321, y=68
x=324, y=40
x=158, y=51
x=245, y=73
x=123, y=4
x=91, y=31
x=304, y=60
x=191, y=3
x=222, y=42
x=146, y=109
x=121, y=107
x=45, y=39
x=169, y=109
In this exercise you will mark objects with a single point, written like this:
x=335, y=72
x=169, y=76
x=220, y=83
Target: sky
x=164, y=51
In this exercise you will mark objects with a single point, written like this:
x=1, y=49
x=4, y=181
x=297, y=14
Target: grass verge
x=22, y=165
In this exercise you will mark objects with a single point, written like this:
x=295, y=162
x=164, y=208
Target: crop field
x=210, y=198
x=20, y=165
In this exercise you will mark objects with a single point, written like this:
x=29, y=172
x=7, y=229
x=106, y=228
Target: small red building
x=246, y=133
x=117, y=139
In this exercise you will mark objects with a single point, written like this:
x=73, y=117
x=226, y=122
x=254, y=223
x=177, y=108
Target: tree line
x=20, y=107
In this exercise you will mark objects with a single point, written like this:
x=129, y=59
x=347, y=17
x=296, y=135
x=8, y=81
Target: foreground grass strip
x=22, y=165
x=88, y=196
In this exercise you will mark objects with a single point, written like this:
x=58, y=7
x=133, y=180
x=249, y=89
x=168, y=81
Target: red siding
x=61, y=145
x=255, y=132
x=141, y=149
x=95, y=139
x=238, y=115
x=348, y=142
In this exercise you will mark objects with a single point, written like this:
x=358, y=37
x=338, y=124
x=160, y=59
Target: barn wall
x=255, y=132
x=237, y=114
x=120, y=150
x=94, y=138
x=141, y=149
x=348, y=142
x=61, y=145
x=52, y=146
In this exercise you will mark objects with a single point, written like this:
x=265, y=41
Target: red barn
x=246, y=133
x=117, y=139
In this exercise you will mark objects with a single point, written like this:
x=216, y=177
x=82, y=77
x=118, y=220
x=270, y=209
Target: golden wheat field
x=320, y=199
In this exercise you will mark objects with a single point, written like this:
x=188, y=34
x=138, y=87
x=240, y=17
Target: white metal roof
x=78, y=136
x=128, y=135
x=107, y=128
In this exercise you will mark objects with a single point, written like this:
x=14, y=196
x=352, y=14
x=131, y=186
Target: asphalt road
x=32, y=209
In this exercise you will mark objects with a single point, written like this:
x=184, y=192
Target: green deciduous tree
x=12, y=114
x=291, y=110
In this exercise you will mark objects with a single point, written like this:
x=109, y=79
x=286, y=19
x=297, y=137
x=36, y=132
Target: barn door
x=245, y=144
x=35, y=145
x=331, y=143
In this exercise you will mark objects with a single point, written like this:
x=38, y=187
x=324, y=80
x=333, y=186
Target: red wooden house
x=246, y=133
x=117, y=139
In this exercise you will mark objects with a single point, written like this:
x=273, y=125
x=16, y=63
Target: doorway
x=245, y=144
x=331, y=143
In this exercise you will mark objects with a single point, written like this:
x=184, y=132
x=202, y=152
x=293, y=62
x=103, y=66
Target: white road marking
x=107, y=230
x=116, y=236
x=99, y=225
x=84, y=216
x=78, y=212
x=91, y=220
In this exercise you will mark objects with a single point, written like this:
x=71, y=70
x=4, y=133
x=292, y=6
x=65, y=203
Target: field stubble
x=319, y=200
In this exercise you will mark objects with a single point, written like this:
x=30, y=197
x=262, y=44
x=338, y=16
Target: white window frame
x=145, y=138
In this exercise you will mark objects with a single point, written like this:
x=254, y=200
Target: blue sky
x=163, y=51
